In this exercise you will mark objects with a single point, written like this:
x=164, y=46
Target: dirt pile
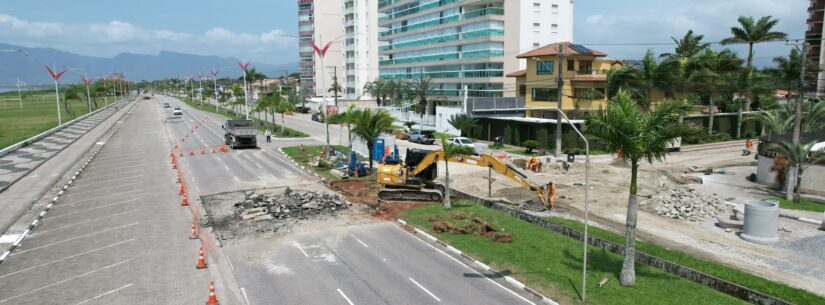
x=461, y=224
x=684, y=203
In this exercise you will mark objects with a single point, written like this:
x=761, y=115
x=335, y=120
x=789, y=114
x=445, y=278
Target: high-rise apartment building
x=467, y=43
x=319, y=21
x=816, y=41
x=360, y=55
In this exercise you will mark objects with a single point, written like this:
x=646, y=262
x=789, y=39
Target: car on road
x=422, y=136
x=177, y=111
x=462, y=141
x=166, y=105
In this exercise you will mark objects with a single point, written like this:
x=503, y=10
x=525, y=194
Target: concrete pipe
x=761, y=222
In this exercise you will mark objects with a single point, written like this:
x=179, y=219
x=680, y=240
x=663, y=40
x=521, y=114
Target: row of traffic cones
x=201, y=263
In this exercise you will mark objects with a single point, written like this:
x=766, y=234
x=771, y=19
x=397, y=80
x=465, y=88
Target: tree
x=751, y=33
x=265, y=105
x=369, y=124
x=687, y=46
x=422, y=88
x=377, y=89
x=349, y=117
x=282, y=106
x=789, y=68
x=450, y=150
x=800, y=156
x=581, y=95
x=334, y=87
x=462, y=122
x=640, y=134
x=709, y=77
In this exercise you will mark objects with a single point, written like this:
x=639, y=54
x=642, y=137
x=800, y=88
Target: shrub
x=530, y=145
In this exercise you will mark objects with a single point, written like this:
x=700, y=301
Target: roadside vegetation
x=303, y=155
x=802, y=205
x=551, y=262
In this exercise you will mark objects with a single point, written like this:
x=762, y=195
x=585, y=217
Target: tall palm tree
x=462, y=122
x=376, y=88
x=788, y=69
x=349, y=117
x=710, y=76
x=687, y=46
x=265, y=105
x=422, y=88
x=642, y=135
x=369, y=124
x=450, y=150
x=751, y=33
x=801, y=157
x=281, y=106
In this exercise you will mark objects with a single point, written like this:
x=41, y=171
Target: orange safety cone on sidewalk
x=201, y=260
x=184, y=201
x=194, y=231
x=213, y=300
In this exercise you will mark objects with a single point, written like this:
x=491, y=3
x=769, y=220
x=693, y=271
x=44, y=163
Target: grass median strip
x=803, y=205
x=287, y=133
x=550, y=262
x=302, y=155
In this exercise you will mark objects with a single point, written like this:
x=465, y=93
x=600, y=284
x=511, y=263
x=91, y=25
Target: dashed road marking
x=73, y=238
x=66, y=280
x=67, y=257
x=345, y=297
x=105, y=294
x=425, y=290
x=362, y=243
x=80, y=223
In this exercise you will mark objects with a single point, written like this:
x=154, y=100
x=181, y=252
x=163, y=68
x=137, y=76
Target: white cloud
x=117, y=36
x=593, y=19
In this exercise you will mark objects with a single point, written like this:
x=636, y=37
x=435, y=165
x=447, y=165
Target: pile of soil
x=464, y=224
x=366, y=193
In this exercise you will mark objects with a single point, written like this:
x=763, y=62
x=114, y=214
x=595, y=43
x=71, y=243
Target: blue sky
x=251, y=29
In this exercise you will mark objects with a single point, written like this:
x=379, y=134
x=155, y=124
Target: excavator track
x=422, y=195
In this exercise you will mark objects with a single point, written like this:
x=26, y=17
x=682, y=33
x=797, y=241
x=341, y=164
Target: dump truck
x=240, y=133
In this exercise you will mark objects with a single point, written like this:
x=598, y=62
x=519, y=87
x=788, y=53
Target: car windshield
x=465, y=141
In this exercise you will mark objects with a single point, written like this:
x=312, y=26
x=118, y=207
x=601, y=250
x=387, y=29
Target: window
x=536, y=45
x=522, y=90
x=571, y=65
x=544, y=67
x=545, y=94
x=536, y=26
x=585, y=66
x=589, y=93
x=536, y=4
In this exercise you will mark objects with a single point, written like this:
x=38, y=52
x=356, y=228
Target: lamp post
x=244, y=65
x=200, y=82
x=215, y=82
x=88, y=95
x=55, y=77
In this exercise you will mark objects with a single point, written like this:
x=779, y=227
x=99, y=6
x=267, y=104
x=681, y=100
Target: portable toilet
x=378, y=150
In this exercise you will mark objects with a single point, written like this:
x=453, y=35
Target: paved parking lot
x=117, y=236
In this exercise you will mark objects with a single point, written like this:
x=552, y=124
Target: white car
x=462, y=141
x=177, y=111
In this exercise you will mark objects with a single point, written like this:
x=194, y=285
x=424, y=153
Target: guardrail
x=32, y=140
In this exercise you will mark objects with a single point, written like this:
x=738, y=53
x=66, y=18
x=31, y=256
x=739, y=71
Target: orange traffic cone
x=182, y=190
x=184, y=201
x=201, y=260
x=213, y=300
x=176, y=145
x=172, y=154
x=178, y=180
x=213, y=150
x=203, y=151
x=174, y=166
x=181, y=153
x=191, y=152
x=194, y=231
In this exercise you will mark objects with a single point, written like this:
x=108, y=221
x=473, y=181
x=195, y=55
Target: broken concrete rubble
x=684, y=203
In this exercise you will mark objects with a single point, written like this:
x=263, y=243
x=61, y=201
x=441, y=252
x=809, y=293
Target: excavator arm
x=485, y=160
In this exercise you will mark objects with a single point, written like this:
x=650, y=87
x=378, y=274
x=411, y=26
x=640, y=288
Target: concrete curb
x=509, y=280
x=40, y=216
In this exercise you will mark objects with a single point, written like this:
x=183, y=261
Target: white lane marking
x=67, y=257
x=425, y=289
x=84, y=185
x=465, y=266
x=66, y=280
x=105, y=294
x=230, y=262
x=74, y=193
x=297, y=245
x=73, y=238
x=96, y=178
x=259, y=165
x=80, y=223
x=89, y=209
x=245, y=298
x=114, y=169
x=226, y=167
x=356, y=238
x=219, y=158
x=345, y=297
x=96, y=198
x=236, y=179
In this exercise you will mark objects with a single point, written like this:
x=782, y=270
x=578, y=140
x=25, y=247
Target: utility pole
x=559, y=102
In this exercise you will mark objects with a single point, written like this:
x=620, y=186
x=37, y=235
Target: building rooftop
x=518, y=73
x=570, y=49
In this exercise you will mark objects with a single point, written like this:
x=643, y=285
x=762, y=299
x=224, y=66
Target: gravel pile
x=685, y=204
x=290, y=204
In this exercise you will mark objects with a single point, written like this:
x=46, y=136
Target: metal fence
x=495, y=106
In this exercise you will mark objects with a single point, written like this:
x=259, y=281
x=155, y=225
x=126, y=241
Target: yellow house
x=584, y=79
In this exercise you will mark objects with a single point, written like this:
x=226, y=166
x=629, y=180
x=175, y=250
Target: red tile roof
x=553, y=49
x=518, y=73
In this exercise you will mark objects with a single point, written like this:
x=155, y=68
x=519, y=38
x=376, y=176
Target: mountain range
x=136, y=67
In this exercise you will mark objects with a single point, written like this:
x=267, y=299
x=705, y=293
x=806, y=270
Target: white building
x=542, y=22
x=360, y=55
x=319, y=22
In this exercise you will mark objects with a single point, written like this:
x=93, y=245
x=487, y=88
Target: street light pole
x=88, y=95
x=55, y=77
x=215, y=82
x=245, y=65
x=19, y=95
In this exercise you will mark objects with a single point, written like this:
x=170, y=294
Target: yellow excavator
x=414, y=179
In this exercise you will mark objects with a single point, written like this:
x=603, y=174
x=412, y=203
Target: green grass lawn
x=288, y=133
x=551, y=263
x=794, y=295
x=803, y=205
x=303, y=157
x=39, y=114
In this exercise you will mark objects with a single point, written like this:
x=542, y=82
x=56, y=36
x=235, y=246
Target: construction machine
x=414, y=179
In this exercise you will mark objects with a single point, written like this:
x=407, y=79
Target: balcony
x=348, y=10
x=349, y=23
x=445, y=20
x=305, y=64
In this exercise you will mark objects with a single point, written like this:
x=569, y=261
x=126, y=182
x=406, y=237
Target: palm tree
x=349, y=117
x=800, y=157
x=369, y=124
x=687, y=46
x=462, y=122
x=587, y=94
x=788, y=69
x=641, y=134
x=377, y=89
x=281, y=106
x=422, y=88
x=710, y=76
x=751, y=33
x=265, y=105
x=450, y=150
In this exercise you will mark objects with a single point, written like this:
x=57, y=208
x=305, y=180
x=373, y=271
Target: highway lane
x=117, y=236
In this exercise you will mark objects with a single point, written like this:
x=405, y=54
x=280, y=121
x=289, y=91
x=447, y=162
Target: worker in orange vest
x=534, y=164
x=749, y=143
x=551, y=187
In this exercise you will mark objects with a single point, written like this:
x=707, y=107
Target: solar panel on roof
x=580, y=48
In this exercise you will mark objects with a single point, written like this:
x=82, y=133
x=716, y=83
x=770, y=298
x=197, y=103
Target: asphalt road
x=117, y=236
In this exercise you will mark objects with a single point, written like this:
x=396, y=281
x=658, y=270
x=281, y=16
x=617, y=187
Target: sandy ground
x=789, y=262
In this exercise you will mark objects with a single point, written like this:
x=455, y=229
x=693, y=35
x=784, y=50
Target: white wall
x=442, y=115
x=546, y=16
x=812, y=179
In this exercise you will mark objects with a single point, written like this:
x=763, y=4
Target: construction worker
x=551, y=194
x=748, y=146
x=534, y=164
